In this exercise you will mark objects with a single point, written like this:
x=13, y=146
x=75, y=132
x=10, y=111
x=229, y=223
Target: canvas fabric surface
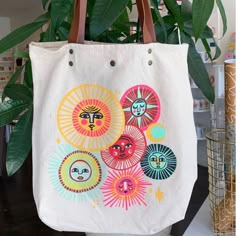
x=114, y=142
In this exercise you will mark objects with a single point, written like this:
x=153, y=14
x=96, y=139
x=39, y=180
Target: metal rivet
x=112, y=63
x=150, y=63
x=71, y=51
x=70, y=63
x=149, y=50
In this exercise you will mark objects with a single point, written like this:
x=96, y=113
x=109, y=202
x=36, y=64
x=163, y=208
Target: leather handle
x=77, y=30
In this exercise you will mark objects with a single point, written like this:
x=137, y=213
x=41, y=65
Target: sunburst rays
x=125, y=188
x=159, y=162
x=127, y=151
x=67, y=173
x=141, y=106
x=91, y=131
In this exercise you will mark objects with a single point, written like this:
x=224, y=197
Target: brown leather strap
x=146, y=21
x=77, y=30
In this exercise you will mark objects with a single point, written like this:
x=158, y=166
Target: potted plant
x=107, y=21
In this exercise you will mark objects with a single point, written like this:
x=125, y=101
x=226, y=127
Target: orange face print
x=91, y=117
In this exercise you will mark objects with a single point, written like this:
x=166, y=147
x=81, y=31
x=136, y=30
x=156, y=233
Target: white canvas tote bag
x=114, y=143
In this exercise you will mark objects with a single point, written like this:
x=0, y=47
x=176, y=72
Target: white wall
x=5, y=26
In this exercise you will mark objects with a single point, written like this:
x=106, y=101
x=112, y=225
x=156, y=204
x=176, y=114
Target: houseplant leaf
x=18, y=92
x=20, y=143
x=28, y=77
x=104, y=13
x=202, y=10
x=19, y=35
x=9, y=110
x=174, y=9
x=223, y=15
x=160, y=19
x=21, y=54
x=58, y=12
x=12, y=80
x=197, y=69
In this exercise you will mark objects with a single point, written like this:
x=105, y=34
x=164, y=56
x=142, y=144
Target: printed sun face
x=127, y=150
x=141, y=106
x=80, y=171
x=125, y=188
x=123, y=148
x=76, y=175
x=159, y=162
x=90, y=118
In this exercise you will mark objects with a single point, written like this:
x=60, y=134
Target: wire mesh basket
x=222, y=183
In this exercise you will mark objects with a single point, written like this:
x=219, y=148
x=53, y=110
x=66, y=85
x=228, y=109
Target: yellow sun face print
x=90, y=117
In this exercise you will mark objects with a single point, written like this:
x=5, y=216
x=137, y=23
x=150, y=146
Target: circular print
x=125, y=188
x=156, y=132
x=141, y=106
x=79, y=172
x=127, y=150
x=159, y=162
x=90, y=117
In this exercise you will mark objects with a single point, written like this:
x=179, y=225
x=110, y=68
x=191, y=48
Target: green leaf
x=218, y=50
x=9, y=110
x=20, y=143
x=19, y=35
x=173, y=38
x=160, y=19
x=174, y=9
x=223, y=15
x=18, y=92
x=59, y=11
x=28, y=77
x=202, y=10
x=130, y=5
x=12, y=80
x=104, y=14
x=197, y=70
x=20, y=54
x=90, y=5
x=120, y=23
x=44, y=3
x=188, y=28
x=63, y=31
x=207, y=48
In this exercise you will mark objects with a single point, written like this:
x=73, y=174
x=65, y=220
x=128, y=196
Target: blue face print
x=139, y=107
x=157, y=160
x=80, y=171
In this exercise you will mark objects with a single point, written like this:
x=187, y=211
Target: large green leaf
x=59, y=11
x=104, y=14
x=28, y=77
x=121, y=23
x=20, y=143
x=197, y=70
x=19, y=35
x=18, y=92
x=159, y=18
x=173, y=37
x=9, y=110
x=202, y=10
x=174, y=9
x=12, y=80
x=186, y=7
x=223, y=15
x=207, y=48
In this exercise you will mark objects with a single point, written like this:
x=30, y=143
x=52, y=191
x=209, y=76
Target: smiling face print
x=125, y=186
x=80, y=171
x=124, y=148
x=139, y=107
